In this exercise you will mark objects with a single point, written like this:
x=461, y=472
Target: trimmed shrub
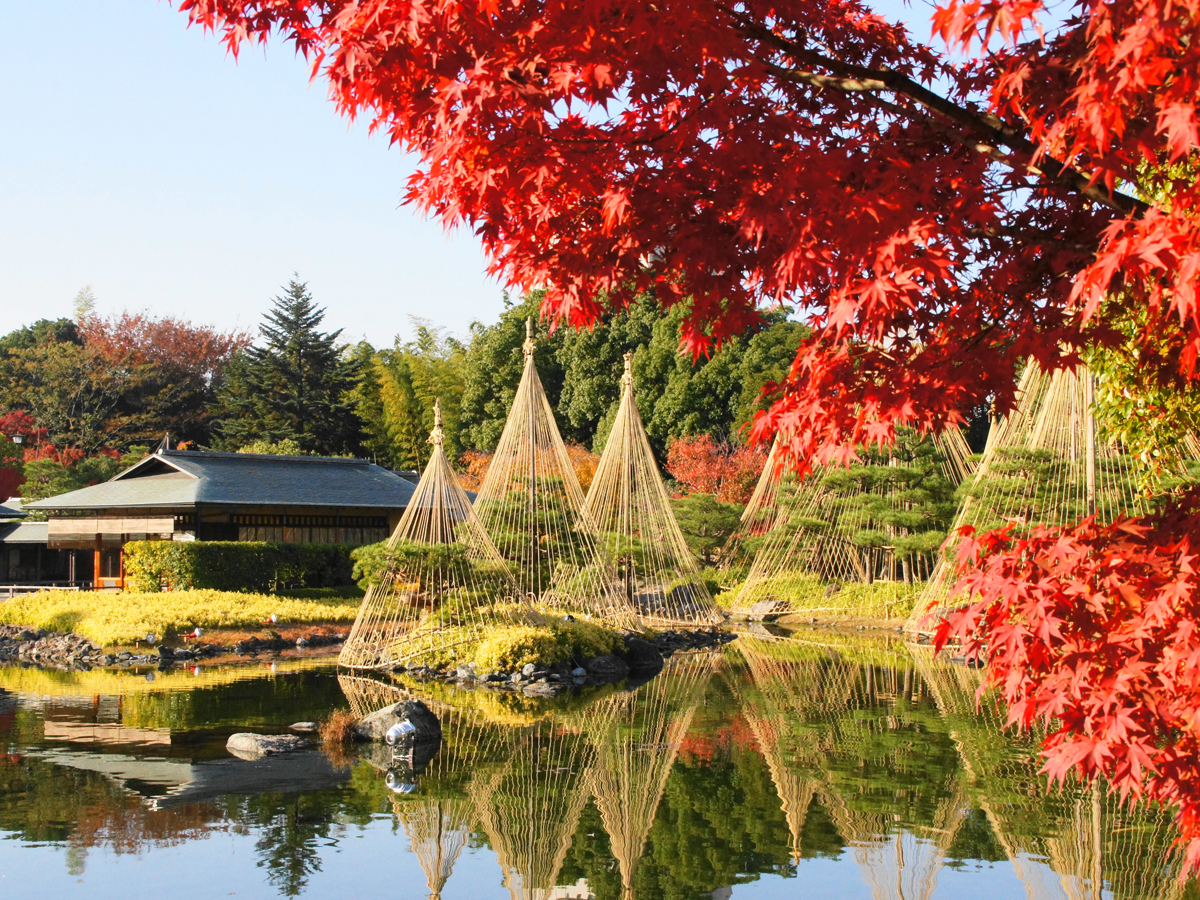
x=235, y=566
x=509, y=647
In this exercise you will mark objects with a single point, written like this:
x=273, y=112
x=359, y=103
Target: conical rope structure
x=437, y=832
x=807, y=706
x=532, y=506
x=630, y=507
x=445, y=581
x=637, y=736
x=1044, y=464
x=758, y=518
x=529, y=805
x=440, y=816
x=1071, y=843
x=853, y=541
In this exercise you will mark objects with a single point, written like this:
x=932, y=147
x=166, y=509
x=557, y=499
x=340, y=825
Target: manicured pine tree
x=296, y=386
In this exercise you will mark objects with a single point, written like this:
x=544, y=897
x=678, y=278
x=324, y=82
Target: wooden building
x=184, y=495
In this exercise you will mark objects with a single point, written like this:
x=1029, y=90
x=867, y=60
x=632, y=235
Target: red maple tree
x=702, y=465
x=1092, y=631
x=726, y=155
x=939, y=216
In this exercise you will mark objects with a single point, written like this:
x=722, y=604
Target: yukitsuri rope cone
x=440, y=816
x=437, y=832
x=629, y=505
x=637, y=737
x=855, y=541
x=758, y=518
x=812, y=713
x=1070, y=842
x=445, y=583
x=1044, y=464
x=529, y=805
x=532, y=506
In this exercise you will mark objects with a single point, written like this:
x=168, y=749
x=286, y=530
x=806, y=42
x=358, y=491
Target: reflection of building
x=183, y=495
x=577, y=891
x=88, y=734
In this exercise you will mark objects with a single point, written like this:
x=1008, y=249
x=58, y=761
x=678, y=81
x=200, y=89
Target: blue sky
x=139, y=158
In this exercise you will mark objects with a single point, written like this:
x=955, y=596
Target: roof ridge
x=213, y=454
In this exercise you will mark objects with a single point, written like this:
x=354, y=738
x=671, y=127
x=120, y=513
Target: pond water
x=818, y=765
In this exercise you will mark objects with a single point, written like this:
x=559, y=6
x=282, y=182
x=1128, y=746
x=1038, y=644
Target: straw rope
x=446, y=581
x=811, y=549
x=532, y=506
x=630, y=507
x=1045, y=463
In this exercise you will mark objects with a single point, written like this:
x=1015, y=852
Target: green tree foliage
x=43, y=331
x=396, y=394
x=72, y=390
x=706, y=523
x=494, y=364
x=580, y=370
x=298, y=385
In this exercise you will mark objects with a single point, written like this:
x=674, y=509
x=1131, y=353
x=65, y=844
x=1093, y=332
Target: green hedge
x=235, y=565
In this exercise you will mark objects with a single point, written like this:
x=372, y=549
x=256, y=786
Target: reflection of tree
x=1076, y=843
x=857, y=739
x=291, y=829
x=637, y=737
x=437, y=832
x=529, y=806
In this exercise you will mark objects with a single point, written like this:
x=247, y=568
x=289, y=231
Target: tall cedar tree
x=298, y=386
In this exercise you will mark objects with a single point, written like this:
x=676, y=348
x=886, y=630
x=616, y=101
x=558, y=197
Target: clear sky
x=139, y=158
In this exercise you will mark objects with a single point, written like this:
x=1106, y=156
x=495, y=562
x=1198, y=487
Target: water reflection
x=784, y=757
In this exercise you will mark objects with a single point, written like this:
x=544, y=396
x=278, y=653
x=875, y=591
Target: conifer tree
x=296, y=386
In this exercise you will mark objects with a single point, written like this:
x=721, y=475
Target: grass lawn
x=111, y=619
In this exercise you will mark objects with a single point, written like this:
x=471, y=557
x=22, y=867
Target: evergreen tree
x=298, y=386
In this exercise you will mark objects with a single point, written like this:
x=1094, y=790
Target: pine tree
x=295, y=387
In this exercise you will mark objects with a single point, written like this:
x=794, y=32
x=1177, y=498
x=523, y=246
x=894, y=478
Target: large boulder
x=608, y=669
x=374, y=726
x=641, y=655
x=247, y=745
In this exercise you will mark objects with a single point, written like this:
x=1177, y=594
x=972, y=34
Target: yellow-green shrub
x=110, y=618
x=508, y=648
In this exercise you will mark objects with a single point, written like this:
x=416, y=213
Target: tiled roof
x=184, y=478
x=24, y=532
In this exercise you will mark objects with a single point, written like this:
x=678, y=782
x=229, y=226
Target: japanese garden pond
x=816, y=765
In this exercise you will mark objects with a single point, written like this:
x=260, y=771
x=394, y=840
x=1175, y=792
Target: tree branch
x=850, y=78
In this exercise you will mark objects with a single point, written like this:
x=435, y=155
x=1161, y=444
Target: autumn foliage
x=727, y=155
x=702, y=465
x=939, y=217
x=1092, y=631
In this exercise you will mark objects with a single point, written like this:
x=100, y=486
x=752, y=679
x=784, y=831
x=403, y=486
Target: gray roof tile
x=185, y=478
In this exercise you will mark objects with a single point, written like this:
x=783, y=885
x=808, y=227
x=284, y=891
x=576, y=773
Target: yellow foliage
x=56, y=683
x=510, y=647
x=110, y=618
